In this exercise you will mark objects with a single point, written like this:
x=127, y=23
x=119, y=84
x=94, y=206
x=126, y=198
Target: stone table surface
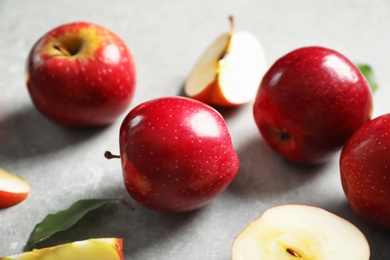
x=166, y=38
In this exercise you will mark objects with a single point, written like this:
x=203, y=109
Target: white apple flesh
x=300, y=232
x=13, y=189
x=229, y=71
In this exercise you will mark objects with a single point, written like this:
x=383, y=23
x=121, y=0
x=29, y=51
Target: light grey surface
x=167, y=38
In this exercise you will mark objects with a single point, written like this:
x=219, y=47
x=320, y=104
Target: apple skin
x=310, y=102
x=176, y=154
x=8, y=199
x=365, y=171
x=89, y=86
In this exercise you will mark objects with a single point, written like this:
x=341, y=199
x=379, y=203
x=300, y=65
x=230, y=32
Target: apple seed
x=293, y=252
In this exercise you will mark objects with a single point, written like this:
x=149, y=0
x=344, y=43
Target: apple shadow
x=264, y=173
x=229, y=112
x=26, y=133
x=378, y=239
x=141, y=229
x=181, y=92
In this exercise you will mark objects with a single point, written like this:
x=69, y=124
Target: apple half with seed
x=13, y=189
x=91, y=249
x=229, y=71
x=302, y=232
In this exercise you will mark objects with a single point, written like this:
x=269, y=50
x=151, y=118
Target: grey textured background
x=167, y=38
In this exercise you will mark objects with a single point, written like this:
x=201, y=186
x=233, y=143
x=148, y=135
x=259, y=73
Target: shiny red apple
x=365, y=171
x=177, y=154
x=81, y=74
x=310, y=102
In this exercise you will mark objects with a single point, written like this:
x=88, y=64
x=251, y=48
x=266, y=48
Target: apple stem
x=226, y=50
x=231, y=20
x=293, y=252
x=109, y=155
x=61, y=48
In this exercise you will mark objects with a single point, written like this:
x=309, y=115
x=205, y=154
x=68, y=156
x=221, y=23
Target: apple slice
x=300, y=231
x=229, y=71
x=91, y=249
x=13, y=189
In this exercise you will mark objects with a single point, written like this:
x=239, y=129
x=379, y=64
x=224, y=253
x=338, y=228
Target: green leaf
x=63, y=220
x=369, y=75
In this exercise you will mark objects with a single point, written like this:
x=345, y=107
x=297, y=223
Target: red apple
x=13, y=189
x=310, y=102
x=176, y=154
x=365, y=171
x=81, y=74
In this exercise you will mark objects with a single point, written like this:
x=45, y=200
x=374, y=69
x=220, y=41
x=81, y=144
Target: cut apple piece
x=91, y=249
x=302, y=232
x=13, y=189
x=229, y=71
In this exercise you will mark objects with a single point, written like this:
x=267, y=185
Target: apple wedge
x=13, y=189
x=91, y=249
x=302, y=232
x=229, y=71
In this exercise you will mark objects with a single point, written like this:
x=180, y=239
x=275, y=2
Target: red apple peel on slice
x=13, y=189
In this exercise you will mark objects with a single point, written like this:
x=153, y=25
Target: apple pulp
x=365, y=171
x=300, y=232
x=81, y=74
x=176, y=154
x=91, y=249
x=310, y=102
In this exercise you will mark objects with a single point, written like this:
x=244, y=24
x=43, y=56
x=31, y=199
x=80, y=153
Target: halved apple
x=302, y=232
x=13, y=189
x=229, y=71
x=91, y=249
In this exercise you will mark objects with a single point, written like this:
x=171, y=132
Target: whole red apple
x=310, y=102
x=81, y=74
x=176, y=154
x=365, y=171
